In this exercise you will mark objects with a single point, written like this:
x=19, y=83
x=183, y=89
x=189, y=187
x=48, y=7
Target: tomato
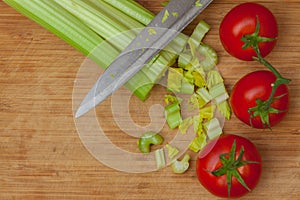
x=258, y=85
x=209, y=163
x=242, y=20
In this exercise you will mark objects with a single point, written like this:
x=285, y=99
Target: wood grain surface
x=43, y=157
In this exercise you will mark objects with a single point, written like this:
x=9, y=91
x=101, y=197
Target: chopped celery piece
x=199, y=80
x=221, y=98
x=214, y=78
x=224, y=109
x=198, y=34
x=213, y=128
x=184, y=60
x=180, y=167
x=207, y=112
x=160, y=158
x=198, y=3
x=172, y=151
x=204, y=94
x=210, y=57
x=193, y=102
x=217, y=90
x=173, y=115
x=186, y=87
x=175, y=76
x=188, y=75
x=169, y=99
x=175, y=14
x=196, y=101
x=198, y=143
x=185, y=124
x=197, y=123
x=165, y=16
x=148, y=139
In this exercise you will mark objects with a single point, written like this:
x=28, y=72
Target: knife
x=167, y=24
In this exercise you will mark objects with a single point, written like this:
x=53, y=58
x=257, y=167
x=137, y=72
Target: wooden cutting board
x=43, y=157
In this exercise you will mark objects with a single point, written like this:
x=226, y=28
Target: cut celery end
x=186, y=87
x=185, y=124
x=175, y=76
x=210, y=57
x=214, y=78
x=204, y=94
x=198, y=34
x=173, y=115
x=207, y=112
x=197, y=123
x=160, y=158
x=217, y=90
x=184, y=60
x=172, y=151
x=198, y=143
x=224, y=109
x=180, y=167
x=213, y=128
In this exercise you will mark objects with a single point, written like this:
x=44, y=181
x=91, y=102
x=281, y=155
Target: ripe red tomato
x=258, y=85
x=242, y=20
x=209, y=161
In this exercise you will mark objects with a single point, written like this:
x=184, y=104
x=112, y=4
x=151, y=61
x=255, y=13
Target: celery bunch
x=89, y=26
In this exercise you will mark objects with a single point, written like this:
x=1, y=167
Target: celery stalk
x=77, y=23
x=54, y=18
x=132, y=9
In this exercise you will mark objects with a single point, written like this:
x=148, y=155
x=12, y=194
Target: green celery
x=210, y=57
x=99, y=21
x=213, y=128
x=66, y=26
x=185, y=124
x=160, y=158
x=198, y=34
x=172, y=115
x=186, y=86
x=175, y=76
x=217, y=90
x=172, y=151
x=180, y=167
x=132, y=9
x=198, y=143
x=225, y=109
x=207, y=112
x=55, y=18
x=204, y=94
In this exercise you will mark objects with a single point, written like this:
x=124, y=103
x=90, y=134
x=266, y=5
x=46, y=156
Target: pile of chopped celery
x=195, y=81
x=101, y=29
x=197, y=76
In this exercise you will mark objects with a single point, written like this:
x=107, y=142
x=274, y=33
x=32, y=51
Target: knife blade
x=167, y=24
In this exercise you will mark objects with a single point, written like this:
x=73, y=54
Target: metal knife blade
x=167, y=24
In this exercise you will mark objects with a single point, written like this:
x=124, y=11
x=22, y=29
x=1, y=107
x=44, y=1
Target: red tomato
x=253, y=86
x=242, y=20
x=209, y=161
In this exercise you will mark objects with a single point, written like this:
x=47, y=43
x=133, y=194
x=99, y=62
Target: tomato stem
x=263, y=108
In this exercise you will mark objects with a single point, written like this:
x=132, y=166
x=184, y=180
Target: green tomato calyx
x=230, y=166
x=263, y=108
